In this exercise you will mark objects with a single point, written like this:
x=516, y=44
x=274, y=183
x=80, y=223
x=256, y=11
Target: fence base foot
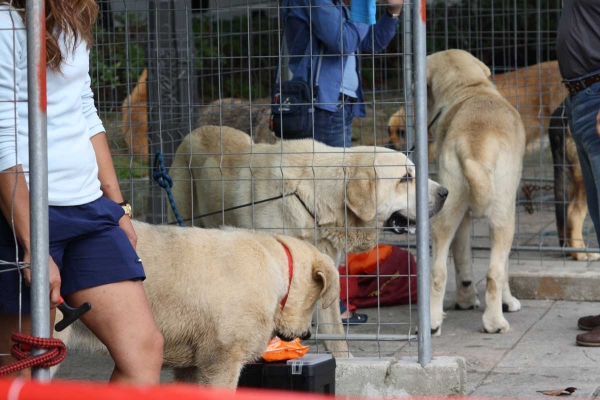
x=388, y=377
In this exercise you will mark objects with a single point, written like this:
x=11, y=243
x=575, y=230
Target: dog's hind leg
x=223, y=374
x=576, y=213
x=502, y=230
x=443, y=228
x=557, y=135
x=189, y=375
x=466, y=292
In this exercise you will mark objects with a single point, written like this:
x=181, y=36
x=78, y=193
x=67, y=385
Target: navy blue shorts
x=87, y=245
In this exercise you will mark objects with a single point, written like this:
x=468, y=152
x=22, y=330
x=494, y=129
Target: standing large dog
x=537, y=92
x=481, y=142
x=336, y=198
x=219, y=296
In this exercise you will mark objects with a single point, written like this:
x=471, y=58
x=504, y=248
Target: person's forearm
x=109, y=183
x=20, y=211
x=394, y=9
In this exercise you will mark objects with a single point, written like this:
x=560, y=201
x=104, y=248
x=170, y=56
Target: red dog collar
x=291, y=268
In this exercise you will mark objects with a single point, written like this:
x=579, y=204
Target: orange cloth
x=366, y=263
x=278, y=350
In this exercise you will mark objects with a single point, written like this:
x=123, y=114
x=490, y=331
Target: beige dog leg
x=443, y=226
x=466, y=291
x=189, y=375
x=509, y=302
x=576, y=213
x=330, y=322
x=502, y=232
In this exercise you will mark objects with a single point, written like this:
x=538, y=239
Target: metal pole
x=38, y=176
x=409, y=133
x=420, y=84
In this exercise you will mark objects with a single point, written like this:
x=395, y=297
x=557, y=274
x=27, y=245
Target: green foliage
x=117, y=59
x=505, y=34
x=237, y=57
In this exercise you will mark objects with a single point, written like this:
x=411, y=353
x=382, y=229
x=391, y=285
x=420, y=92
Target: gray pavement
x=538, y=353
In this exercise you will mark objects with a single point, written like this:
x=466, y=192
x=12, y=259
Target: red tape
x=57, y=351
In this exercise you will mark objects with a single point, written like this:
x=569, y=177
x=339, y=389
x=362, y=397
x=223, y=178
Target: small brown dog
x=134, y=112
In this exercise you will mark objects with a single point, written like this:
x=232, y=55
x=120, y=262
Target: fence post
x=171, y=84
x=38, y=176
x=422, y=164
x=409, y=132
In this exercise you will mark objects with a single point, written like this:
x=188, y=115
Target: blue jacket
x=308, y=23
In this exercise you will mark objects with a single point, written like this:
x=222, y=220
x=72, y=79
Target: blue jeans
x=582, y=110
x=334, y=128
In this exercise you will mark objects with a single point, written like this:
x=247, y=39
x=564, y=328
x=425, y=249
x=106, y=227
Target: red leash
x=22, y=352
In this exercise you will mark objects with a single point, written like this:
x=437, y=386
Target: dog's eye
x=406, y=178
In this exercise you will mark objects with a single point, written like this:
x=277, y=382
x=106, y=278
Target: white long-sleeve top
x=71, y=115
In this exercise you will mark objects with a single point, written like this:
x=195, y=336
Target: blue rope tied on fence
x=163, y=179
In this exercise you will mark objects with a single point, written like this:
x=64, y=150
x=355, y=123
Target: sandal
x=355, y=319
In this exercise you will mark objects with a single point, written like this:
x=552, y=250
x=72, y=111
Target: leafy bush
x=117, y=59
x=237, y=57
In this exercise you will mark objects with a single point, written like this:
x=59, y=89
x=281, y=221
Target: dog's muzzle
x=399, y=224
x=304, y=336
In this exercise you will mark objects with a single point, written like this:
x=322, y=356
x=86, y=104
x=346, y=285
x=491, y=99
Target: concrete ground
x=538, y=353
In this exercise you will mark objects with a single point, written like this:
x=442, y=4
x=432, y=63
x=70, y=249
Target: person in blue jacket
x=315, y=25
x=312, y=27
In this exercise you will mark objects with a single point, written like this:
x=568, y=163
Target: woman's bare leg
x=122, y=319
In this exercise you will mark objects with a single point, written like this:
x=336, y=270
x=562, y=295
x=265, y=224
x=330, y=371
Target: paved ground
x=538, y=353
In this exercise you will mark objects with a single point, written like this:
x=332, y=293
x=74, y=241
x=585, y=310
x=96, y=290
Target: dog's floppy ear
x=360, y=192
x=329, y=277
x=484, y=67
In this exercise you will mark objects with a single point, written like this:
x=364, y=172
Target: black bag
x=292, y=105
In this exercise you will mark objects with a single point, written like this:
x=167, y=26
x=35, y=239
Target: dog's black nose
x=443, y=193
x=306, y=335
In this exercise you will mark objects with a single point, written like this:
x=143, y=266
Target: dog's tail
x=563, y=186
x=479, y=178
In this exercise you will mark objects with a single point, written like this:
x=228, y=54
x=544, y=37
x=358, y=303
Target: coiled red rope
x=57, y=351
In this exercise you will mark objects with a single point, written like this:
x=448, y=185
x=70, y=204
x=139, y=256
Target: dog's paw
x=471, y=304
x=495, y=324
x=585, y=256
x=593, y=256
x=436, y=322
x=434, y=332
x=579, y=256
x=512, y=305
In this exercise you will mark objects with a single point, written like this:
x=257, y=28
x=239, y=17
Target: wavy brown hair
x=74, y=18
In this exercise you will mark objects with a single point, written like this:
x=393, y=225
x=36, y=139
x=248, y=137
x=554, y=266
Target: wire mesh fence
x=517, y=41
x=162, y=68
x=234, y=49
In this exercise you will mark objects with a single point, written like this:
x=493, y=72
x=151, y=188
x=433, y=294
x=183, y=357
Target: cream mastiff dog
x=481, y=142
x=338, y=199
x=219, y=296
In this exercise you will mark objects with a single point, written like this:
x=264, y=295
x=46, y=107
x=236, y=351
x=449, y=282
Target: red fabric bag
x=397, y=281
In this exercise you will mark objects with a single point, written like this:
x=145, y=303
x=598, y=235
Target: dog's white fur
x=481, y=143
x=215, y=295
x=351, y=193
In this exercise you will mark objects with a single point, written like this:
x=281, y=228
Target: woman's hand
x=127, y=226
x=54, y=275
x=394, y=6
